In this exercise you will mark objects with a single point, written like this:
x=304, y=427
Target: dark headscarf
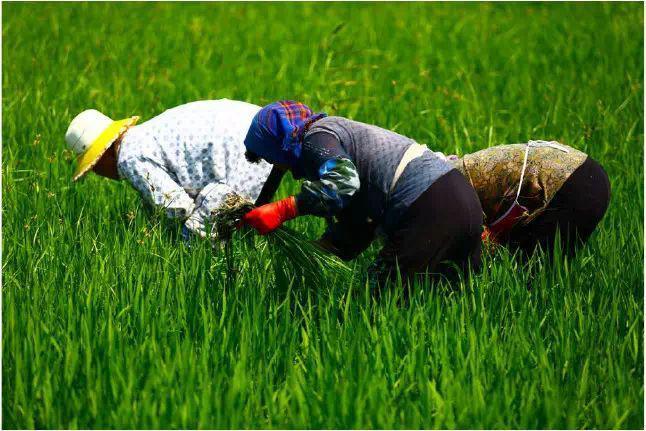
x=276, y=132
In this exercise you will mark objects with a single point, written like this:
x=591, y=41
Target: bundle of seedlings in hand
x=228, y=216
x=302, y=255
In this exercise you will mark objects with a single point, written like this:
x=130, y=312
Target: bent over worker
x=530, y=191
x=367, y=180
x=184, y=161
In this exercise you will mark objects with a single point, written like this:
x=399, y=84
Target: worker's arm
x=271, y=186
x=210, y=199
x=347, y=238
x=157, y=187
x=333, y=181
x=335, y=177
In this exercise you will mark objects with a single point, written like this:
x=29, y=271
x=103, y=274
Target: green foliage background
x=109, y=321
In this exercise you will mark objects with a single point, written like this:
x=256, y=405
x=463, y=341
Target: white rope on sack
x=535, y=144
x=516, y=204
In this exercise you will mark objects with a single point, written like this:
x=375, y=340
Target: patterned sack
x=499, y=229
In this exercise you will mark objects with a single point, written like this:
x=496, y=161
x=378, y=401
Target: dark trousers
x=575, y=211
x=438, y=235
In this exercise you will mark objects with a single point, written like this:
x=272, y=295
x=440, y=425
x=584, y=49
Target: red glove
x=486, y=234
x=488, y=240
x=269, y=217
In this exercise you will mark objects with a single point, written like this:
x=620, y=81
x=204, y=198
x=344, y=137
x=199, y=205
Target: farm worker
x=529, y=191
x=367, y=180
x=184, y=161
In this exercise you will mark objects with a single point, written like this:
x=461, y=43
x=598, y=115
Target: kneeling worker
x=367, y=180
x=530, y=191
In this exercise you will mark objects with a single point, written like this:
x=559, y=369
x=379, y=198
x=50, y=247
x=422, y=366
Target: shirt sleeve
x=270, y=187
x=210, y=199
x=157, y=187
x=334, y=177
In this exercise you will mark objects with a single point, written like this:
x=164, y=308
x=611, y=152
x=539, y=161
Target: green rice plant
x=299, y=255
x=109, y=321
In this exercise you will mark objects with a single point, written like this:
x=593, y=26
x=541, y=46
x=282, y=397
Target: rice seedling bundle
x=303, y=256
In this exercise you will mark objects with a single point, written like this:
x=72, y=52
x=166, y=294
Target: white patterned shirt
x=188, y=158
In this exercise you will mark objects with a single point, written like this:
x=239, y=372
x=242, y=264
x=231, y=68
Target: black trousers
x=575, y=211
x=439, y=235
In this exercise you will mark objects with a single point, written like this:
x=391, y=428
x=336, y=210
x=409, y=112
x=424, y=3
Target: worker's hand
x=486, y=234
x=268, y=218
x=489, y=240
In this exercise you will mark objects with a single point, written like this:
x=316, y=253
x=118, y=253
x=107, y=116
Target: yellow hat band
x=91, y=156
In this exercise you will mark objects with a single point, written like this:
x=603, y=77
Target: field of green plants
x=110, y=321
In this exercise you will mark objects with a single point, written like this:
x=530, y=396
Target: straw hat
x=90, y=134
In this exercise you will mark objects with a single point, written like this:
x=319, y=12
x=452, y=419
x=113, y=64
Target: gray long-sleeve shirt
x=374, y=153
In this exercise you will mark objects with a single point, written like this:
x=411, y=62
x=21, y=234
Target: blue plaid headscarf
x=276, y=132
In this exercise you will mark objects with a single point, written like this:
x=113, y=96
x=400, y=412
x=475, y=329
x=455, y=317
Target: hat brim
x=89, y=158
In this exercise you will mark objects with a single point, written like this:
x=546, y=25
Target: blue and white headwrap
x=276, y=132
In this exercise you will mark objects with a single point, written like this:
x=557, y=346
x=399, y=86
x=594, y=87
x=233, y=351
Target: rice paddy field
x=110, y=321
